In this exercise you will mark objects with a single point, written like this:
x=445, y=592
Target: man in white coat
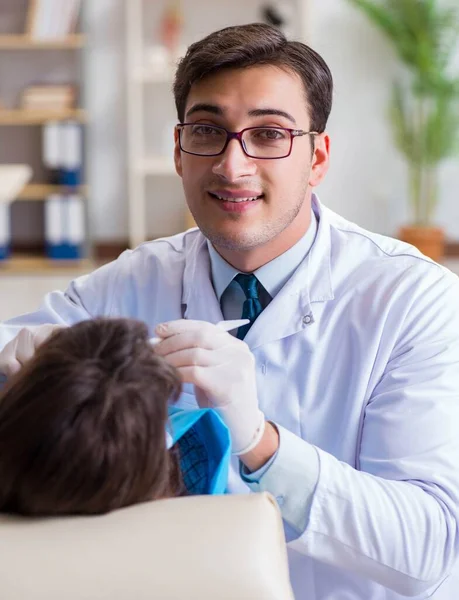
x=342, y=393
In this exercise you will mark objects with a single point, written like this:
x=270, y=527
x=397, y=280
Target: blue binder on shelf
x=5, y=235
x=64, y=226
x=63, y=152
x=72, y=153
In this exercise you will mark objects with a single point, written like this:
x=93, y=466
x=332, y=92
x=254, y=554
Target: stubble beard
x=241, y=240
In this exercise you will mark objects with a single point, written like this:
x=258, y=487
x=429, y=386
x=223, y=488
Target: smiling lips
x=236, y=196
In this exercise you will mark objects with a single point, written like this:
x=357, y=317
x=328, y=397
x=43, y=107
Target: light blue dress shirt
x=272, y=476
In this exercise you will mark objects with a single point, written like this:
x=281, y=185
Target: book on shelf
x=48, y=97
x=52, y=19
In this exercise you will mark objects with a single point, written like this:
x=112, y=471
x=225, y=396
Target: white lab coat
x=358, y=355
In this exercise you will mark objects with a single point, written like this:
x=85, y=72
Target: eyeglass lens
x=261, y=142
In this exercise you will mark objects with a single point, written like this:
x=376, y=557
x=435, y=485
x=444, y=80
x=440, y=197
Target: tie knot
x=248, y=284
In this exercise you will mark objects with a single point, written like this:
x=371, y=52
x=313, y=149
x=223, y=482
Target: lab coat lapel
x=297, y=307
x=285, y=315
x=199, y=299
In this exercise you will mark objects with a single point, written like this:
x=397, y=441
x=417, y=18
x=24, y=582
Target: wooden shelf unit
x=40, y=191
x=26, y=42
x=33, y=264
x=19, y=116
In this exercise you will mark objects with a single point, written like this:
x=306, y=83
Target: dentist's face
x=242, y=203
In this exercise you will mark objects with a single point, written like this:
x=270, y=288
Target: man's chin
x=239, y=241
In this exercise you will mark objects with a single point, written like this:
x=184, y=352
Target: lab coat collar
x=198, y=297
x=298, y=304
x=320, y=281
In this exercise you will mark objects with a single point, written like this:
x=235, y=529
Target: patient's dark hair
x=82, y=425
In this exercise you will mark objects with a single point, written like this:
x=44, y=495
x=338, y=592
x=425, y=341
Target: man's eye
x=270, y=134
x=206, y=130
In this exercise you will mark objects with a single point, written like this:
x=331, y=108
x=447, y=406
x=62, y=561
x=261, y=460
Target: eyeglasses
x=202, y=139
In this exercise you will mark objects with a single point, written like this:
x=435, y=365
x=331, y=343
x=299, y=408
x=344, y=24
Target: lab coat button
x=308, y=319
x=280, y=500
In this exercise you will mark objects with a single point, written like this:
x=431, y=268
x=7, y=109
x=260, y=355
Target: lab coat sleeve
x=86, y=297
x=393, y=517
x=291, y=476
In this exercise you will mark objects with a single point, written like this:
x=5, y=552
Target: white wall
x=366, y=178
x=105, y=100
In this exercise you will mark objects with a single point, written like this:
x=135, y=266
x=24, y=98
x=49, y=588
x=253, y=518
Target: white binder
x=54, y=220
x=75, y=229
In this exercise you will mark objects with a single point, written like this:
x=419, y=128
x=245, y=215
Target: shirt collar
x=274, y=274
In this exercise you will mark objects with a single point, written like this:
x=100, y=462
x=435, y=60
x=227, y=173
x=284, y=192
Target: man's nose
x=234, y=163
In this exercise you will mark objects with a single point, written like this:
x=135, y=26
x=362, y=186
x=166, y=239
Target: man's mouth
x=236, y=199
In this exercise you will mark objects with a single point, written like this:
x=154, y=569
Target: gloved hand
x=222, y=369
x=21, y=348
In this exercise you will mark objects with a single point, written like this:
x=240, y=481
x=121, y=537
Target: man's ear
x=321, y=159
x=177, y=153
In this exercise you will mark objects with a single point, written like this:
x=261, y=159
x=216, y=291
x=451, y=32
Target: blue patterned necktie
x=251, y=308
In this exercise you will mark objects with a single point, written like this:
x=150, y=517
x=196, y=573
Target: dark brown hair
x=82, y=425
x=257, y=44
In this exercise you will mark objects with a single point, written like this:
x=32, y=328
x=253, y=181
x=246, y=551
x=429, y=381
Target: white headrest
x=194, y=548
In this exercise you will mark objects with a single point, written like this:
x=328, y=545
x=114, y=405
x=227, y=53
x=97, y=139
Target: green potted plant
x=424, y=107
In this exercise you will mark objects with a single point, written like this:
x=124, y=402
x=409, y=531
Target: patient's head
x=82, y=425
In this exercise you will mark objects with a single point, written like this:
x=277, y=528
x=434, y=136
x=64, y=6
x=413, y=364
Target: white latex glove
x=21, y=348
x=222, y=369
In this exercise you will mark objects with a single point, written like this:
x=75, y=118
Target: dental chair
x=228, y=547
